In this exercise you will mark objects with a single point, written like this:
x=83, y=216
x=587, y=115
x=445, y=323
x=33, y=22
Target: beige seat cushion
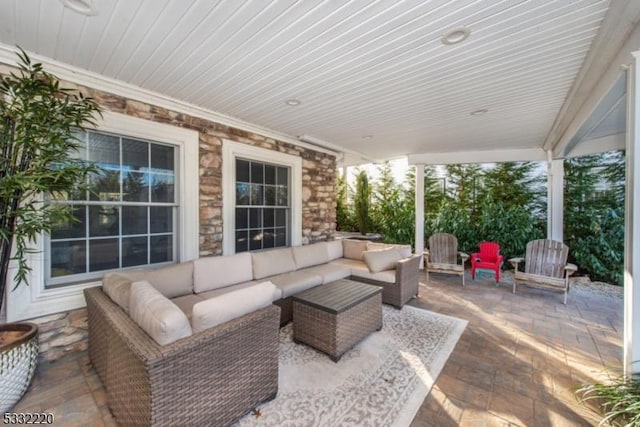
x=277, y=294
x=388, y=276
x=215, y=272
x=353, y=249
x=294, y=282
x=186, y=303
x=350, y=263
x=156, y=314
x=334, y=249
x=272, y=262
x=310, y=255
x=329, y=273
x=216, y=311
x=381, y=260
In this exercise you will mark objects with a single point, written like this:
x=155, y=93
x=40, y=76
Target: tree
x=38, y=119
x=362, y=202
x=393, y=212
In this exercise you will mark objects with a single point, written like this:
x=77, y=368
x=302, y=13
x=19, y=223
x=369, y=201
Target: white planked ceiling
x=359, y=67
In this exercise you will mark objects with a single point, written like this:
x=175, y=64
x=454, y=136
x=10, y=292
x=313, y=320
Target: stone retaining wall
x=62, y=333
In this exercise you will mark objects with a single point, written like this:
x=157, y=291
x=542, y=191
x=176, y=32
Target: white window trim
x=230, y=151
x=26, y=302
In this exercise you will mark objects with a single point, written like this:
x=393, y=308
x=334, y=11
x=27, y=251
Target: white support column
x=419, y=238
x=555, y=198
x=631, y=336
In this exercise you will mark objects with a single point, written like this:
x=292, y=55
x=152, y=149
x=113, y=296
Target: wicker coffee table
x=335, y=317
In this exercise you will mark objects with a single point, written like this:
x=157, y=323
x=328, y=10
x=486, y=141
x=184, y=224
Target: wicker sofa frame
x=396, y=294
x=213, y=377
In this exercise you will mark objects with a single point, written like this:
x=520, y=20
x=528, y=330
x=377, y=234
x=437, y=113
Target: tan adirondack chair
x=545, y=266
x=442, y=256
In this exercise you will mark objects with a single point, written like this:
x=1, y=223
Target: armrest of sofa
x=407, y=271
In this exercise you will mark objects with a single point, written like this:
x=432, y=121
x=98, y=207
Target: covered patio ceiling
x=373, y=79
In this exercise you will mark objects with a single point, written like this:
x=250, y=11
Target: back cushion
x=156, y=315
x=172, y=281
x=405, y=250
x=382, y=260
x=375, y=246
x=334, y=249
x=270, y=263
x=117, y=286
x=310, y=255
x=353, y=249
x=216, y=272
x=221, y=309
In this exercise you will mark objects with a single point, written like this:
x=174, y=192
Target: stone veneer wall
x=67, y=332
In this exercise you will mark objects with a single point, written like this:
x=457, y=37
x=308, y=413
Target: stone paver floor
x=517, y=363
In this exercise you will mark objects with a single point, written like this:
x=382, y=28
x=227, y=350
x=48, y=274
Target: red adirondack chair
x=488, y=258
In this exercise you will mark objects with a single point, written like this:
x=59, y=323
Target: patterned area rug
x=380, y=382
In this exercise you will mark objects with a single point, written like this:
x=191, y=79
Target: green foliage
x=362, y=202
x=619, y=400
x=37, y=123
x=393, y=213
x=594, y=214
x=345, y=219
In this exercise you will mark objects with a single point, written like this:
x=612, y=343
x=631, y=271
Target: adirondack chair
x=545, y=266
x=488, y=257
x=442, y=256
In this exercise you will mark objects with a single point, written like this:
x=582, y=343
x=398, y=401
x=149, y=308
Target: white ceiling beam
x=598, y=145
x=618, y=36
x=487, y=156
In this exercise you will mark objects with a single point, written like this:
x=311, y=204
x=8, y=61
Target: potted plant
x=38, y=119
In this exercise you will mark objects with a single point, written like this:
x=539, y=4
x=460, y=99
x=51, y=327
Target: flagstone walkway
x=517, y=363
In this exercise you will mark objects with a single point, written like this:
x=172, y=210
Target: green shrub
x=619, y=400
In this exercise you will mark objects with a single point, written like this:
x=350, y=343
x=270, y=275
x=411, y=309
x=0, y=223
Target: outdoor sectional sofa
x=221, y=359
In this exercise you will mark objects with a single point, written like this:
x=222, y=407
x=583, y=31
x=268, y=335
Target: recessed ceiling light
x=479, y=112
x=83, y=7
x=367, y=137
x=455, y=35
x=293, y=102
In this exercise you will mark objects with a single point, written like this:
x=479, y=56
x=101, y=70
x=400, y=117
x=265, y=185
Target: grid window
x=262, y=206
x=128, y=216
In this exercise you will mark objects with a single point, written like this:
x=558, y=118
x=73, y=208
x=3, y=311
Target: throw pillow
x=385, y=259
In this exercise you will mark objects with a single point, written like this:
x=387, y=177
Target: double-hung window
x=127, y=218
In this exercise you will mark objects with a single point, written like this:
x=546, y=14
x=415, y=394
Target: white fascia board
x=599, y=145
x=489, y=156
x=96, y=81
x=601, y=89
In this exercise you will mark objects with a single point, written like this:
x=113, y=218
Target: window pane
x=242, y=218
x=268, y=240
x=283, y=176
x=269, y=217
x=68, y=258
x=281, y=237
x=134, y=251
x=270, y=195
x=104, y=221
x=242, y=171
x=134, y=220
x=255, y=240
x=162, y=158
x=105, y=186
x=135, y=155
x=161, y=219
x=269, y=174
x=72, y=228
x=135, y=187
x=242, y=241
x=255, y=218
x=257, y=173
x=161, y=249
x=105, y=150
x=281, y=218
x=242, y=194
x=257, y=194
x=162, y=188
x=283, y=199
x=103, y=254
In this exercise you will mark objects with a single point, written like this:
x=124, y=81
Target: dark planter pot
x=18, y=359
